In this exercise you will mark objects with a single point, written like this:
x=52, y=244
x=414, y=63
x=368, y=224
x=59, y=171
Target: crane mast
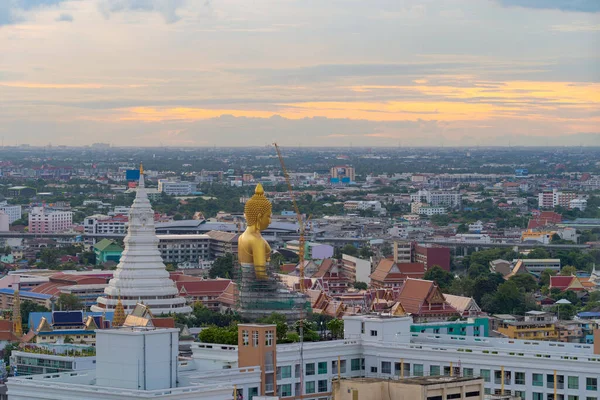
x=301, y=240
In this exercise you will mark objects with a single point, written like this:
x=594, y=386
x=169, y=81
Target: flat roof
x=27, y=294
x=183, y=237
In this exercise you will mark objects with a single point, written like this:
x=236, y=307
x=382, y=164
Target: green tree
x=49, y=258
x=215, y=334
x=280, y=321
x=545, y=277
x=508, y=299
x=365, y=252
x=222, y=267
x=386, y=249
x=568, y=270
x=440, y=220
x=69, y=302
x=350, y=250
x=538, y=253
x=525, y=282
x=360, y=285
x=170, y=267
x=8, y=349
x=28, y=306
x=462, y=228
x=438, y=275
x=336, y=327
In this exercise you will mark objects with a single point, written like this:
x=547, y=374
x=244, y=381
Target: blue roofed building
x=67, y=326
x=7, y=295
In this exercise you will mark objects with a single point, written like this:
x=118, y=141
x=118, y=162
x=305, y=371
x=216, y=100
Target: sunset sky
x=300, y=72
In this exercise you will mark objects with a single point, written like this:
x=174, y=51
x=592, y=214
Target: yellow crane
x=298, y=216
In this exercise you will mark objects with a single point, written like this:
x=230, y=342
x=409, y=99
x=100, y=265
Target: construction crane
x=301, y=240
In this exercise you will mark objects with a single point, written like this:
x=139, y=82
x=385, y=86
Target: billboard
x=132, y=174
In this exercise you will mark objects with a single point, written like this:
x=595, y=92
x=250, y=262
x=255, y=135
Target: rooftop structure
x=141, y=274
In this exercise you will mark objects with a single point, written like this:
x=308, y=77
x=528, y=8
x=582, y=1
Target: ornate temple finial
x=141, y=169
x=119, y=313
x=16, y=316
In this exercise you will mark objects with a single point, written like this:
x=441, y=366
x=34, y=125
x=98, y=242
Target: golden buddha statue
x=253, y=249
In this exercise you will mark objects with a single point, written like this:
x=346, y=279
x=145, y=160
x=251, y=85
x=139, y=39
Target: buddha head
x=258, y=210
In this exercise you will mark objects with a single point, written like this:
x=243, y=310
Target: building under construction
x=258, y=298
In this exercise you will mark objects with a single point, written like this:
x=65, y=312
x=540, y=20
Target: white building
x=579, y=204
x=361, y=205
x=184, y=248
x=538, y=265
x=105, y=224
x=141, y=363
x=176, y=188
x=141, y=274
x=447, y=199
x=42, y=220
x=14, y=212
x=476, y=227
x=553, y=198
x=4, y=222
x=431, y=210
x=358, y=268
x=26, y=363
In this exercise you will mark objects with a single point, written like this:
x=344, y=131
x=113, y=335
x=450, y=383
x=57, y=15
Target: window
x=591, y=383
x=573, y=382
x=386, y=367
x=322, y=366
x=434, y=370
x=591, y=398
x=284, y=372
x=538, y=396
x=245, y=339
x=520, y=393
x=252, y=392
x=571, y=397
x=355, y=364
x=485, y=374
x=373, y=333
x=519, y=378
x=374, y=370
x=310, y=387
x=362, y=327
x=255, y=338
x=322, y=386
x=269, y=338
x=334, y=367
x=474, y=394
x=310, y=369
x=418, y=369
x=284, y=390
x=399, y=366
x=538, y=380
x=468, y=372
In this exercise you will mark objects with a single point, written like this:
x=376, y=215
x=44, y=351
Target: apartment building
x=176, y=188
x=42, y=220
x=553, y=198
x=14, y=212
x=439, y=198
x=184, y=248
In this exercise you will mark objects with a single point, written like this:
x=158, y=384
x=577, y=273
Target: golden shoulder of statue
x=253, y=249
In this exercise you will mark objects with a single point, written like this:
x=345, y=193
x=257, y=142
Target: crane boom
x=301, y=240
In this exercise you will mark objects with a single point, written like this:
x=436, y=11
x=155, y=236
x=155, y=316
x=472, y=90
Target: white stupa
x=141, y=275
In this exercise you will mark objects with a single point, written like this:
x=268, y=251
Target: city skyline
x=229, y=73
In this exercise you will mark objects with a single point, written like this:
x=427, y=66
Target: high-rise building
x=42, y=220
x=14, y=212
x=344, y=174
x=441, y=198
x=176, y=188
x=141, y=275
x=553, y=198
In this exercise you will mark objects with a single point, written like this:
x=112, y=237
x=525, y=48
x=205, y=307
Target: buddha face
x=263, y=221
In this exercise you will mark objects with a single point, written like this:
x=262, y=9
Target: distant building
x=342, y=174
x=14, y=212
x=42, y=220
x=176, y=188
x=446, y=199
x=453, y=386
x=52, y=359
x=107, y=250
x=107, y=225
x=579, y=204
x=389, y=274
x=431, y=210
x=21, y=191
x=177, y=249
x=312, y=251
x=358, y=269
x=553, y=198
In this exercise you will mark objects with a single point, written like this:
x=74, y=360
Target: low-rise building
x=42, y=220
x=52, y=359
x=529, y=330
x=14, y=211
x=176, y=188
x=107, y=250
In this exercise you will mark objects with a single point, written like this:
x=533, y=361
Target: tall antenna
x=16, y=315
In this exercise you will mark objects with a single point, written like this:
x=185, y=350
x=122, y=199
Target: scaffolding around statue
x=258, y=298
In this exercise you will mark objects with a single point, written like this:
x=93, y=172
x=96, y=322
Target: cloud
x=64, y=17
x=166, y=8
x=579, y=27
x=11, y=10
x=563, y=5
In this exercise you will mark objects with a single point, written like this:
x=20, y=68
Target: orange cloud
x=37, y=85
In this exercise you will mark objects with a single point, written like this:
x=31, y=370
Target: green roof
x=107, y=245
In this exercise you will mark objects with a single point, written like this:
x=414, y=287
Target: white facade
x=26, y=363
x=431, y=210
x=4, y=222
x=176, y=188
x=360, y=267
x=47, y=221
x=579, y=204
x=14, y=212
x=551, y=199
x=141, y=274
x=537, y=266
x=104, y=224
x=447, y=199
x=184, y=248
x=476, y=227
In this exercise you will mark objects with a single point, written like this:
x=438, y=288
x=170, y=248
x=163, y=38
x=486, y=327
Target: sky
x=300, y=72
